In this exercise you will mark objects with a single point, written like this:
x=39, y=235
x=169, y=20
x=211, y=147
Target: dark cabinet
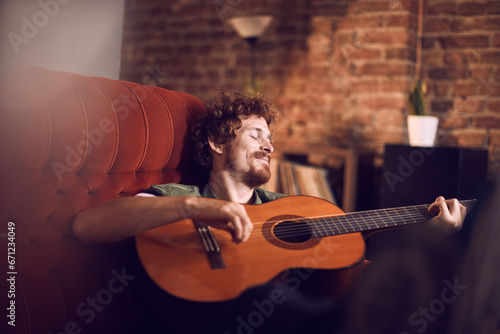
x=417, y=175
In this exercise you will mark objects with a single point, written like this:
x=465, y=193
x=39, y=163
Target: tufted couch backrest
x=69, y=142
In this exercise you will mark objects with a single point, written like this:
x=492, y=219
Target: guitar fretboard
x=374, y=219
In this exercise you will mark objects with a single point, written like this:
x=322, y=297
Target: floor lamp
x=250, y=28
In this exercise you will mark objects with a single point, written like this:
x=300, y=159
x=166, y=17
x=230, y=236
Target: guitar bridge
x=211, y=246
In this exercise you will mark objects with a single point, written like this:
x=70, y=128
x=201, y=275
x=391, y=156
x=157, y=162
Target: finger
x=458, y=212
x=435, y=207
x=247, y=228
x=240, y=233
x=453, y=206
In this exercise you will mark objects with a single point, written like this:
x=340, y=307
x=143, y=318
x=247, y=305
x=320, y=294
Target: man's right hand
x=229, y=216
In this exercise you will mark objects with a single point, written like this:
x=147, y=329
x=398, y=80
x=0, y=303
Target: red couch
x=70, y=142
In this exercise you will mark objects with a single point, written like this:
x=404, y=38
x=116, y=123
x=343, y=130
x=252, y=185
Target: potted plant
x=422, y=128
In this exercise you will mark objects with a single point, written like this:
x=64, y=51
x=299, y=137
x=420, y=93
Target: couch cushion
x=69, y=142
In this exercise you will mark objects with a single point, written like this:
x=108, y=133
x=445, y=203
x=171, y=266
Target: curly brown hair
x=222, y=118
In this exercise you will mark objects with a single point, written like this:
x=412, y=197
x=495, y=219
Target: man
x=233, y=144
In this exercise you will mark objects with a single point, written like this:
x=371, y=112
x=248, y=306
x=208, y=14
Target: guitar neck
x=375, y=219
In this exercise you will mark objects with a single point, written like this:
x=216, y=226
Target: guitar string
x=417, y=215
x=380, y=222
x=342, y=228
x=390, y=213
x=367, y=214
x=361, y=224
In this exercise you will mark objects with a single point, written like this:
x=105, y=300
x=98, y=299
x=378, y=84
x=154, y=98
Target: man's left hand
x=450, y=214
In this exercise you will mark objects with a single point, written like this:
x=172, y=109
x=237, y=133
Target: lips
x=263, y=156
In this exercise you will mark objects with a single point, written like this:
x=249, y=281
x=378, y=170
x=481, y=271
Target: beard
x=254, y=177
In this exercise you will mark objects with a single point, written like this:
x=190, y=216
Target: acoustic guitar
x=194, y=262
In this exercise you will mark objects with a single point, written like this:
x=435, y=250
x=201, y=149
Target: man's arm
x=128, y=216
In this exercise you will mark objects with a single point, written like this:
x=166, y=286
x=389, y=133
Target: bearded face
x=257, y=172
x=247, y=156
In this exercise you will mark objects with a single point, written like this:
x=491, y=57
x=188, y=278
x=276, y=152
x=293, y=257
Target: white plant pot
x=422, y=130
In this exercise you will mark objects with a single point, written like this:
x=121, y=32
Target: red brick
x=478, y=87
x=318, y=71
x=438, y=88
x=462, y=24
x=315, y=57
x=386, y=37
x=465, y=41
x=432, y=58
x=384, y=69
x=486, y=121
x=395, y=85
x=470, y=105
x=330, y=9
x=493, y=105
x=383, y=102
x=327, y=87
x=321, y=25
x=437, y=25
x=364, y=117
x=453, y=121
x=441, y=105
x=492, y=57
x=404, y=20
x=400, y=53
x=454, y=58
x=351, y=22
x=488, y=23
x=472, y=137
x=471, y=8
x=366, y=53
x=493, y=7
x=383, y=135
x=428, y=42
x=372, y=6
x=471, y=57
x=496, y=40
x=447, y=73
x=337, y=102
x=477, y=72
x=495, y=137
x=443, y=7
x=389, y=118
x=466, y=89
x=363, y=86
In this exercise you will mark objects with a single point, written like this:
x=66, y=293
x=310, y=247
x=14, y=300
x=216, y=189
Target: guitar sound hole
x=292, y=231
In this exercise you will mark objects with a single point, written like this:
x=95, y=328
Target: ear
x=215, y=146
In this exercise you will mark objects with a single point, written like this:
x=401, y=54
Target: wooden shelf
x=349, y=158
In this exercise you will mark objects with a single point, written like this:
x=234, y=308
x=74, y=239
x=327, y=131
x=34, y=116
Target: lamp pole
x=253, y=71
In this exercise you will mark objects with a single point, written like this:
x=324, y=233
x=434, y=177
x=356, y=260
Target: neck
x=226, y=188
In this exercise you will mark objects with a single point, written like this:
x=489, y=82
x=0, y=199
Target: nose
x=267, y=146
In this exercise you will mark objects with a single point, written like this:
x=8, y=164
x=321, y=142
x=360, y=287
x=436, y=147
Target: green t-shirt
x=175, y=189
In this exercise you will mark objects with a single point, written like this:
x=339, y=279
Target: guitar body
x=175, y=258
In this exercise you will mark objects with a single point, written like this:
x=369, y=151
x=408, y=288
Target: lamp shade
x=251, y=26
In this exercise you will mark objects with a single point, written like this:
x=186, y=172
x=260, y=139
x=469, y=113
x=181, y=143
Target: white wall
x=81, y=36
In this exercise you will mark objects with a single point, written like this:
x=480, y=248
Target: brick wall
x=461, y=59
x=338, y=70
